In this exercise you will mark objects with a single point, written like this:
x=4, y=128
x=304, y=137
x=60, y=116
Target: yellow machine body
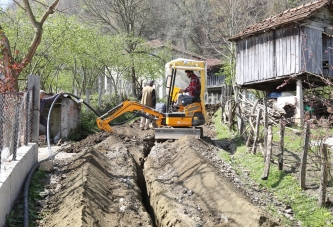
x=185, y=120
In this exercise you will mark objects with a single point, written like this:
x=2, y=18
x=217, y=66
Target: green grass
x=15, y=218
x=284, y=186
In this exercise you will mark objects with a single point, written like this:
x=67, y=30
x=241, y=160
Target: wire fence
x=16, y=110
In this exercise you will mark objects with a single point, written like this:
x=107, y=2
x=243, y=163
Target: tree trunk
x=133, y=81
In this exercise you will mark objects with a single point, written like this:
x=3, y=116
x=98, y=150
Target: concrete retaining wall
x=12, y=177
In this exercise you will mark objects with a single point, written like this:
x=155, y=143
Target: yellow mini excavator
x=177, y=121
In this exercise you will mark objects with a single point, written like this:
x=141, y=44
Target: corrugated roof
x=291, y=15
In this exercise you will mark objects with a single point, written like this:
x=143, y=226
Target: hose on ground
x=26, y=193
x=36, y=165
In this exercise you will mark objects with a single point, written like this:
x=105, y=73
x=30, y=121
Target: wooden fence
x=236, y=113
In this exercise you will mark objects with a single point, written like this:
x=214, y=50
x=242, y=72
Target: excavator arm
x=126, y=106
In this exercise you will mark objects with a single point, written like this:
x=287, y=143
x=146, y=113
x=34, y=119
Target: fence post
x=265, y=124
x=323, y=179
x=304, y=156
x=27, y=104
x=231, y=114
x=223, y=99
x=34, y=87
x=212, y=98
x=206, y=97
x=16, y=127
x=281, y=147
x=299, y=107
x=268, y=152
x=254, y=147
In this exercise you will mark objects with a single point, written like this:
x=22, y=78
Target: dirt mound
x=125, y=178
x=185, y=190
x=91, y=140
x=99, y=188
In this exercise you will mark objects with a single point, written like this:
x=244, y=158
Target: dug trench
x=127, y=179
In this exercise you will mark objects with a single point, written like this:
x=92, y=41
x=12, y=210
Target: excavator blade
x=176, y=133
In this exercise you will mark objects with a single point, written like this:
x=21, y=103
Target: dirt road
x=127, y=179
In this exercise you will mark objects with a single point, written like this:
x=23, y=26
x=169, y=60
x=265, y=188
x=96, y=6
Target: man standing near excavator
x=148, y=99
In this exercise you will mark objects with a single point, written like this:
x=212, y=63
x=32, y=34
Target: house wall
x=287, y=50
x=327, y=55
x=268, y=55
x=311, y=50
x=287, y=55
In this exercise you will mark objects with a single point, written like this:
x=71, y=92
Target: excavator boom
x=127, y=106
x=179, y=119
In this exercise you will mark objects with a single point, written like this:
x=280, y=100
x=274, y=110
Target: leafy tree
x=122, y=17
x=10, y=68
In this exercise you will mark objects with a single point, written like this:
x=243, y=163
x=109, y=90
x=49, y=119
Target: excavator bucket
x=103, y=125
x=176, y=133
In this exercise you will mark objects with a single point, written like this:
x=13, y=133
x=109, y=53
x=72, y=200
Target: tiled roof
x=211, y=62
x=291, y=15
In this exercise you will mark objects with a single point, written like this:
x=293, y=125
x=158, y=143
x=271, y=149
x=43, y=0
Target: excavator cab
x=177, y=79
x=175, y=122
x=186, y=114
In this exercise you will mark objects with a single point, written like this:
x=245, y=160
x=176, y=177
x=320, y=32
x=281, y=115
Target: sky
x=4, y=3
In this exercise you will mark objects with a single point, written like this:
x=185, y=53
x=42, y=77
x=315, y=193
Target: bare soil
x=125, y=178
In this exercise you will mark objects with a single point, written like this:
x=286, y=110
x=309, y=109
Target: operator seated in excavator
x=173, y=123
x=191, y=93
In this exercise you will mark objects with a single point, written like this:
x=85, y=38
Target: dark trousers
x=43, y=121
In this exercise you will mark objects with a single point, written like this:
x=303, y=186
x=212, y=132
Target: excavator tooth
x=176, y=133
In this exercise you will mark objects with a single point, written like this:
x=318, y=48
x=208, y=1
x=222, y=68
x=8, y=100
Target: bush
x=108, y=102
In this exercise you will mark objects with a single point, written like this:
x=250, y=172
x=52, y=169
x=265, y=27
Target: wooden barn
x=293, y=47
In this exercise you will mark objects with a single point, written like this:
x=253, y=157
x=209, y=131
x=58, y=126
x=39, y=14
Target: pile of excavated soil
x=98, y=188
x=125, y=178
x=186, y=190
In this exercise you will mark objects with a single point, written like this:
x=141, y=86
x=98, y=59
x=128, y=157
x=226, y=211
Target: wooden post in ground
x=34, y=86
x=268, y=153
x=252, y=130
x=281, y=147
x=240, y=121
x=323, y=178
x=265, y=125
x=223, y=100
x=304, y=155
x=249, y=140
x=231, y=114
x=256, y=135
x=299, y=106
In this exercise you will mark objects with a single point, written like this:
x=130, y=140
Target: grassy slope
x=284, y=186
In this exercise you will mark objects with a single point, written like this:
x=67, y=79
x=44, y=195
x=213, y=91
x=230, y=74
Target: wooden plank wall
x=311, y=50
x=287, y=51
x=327, y=54
x=268, y=55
